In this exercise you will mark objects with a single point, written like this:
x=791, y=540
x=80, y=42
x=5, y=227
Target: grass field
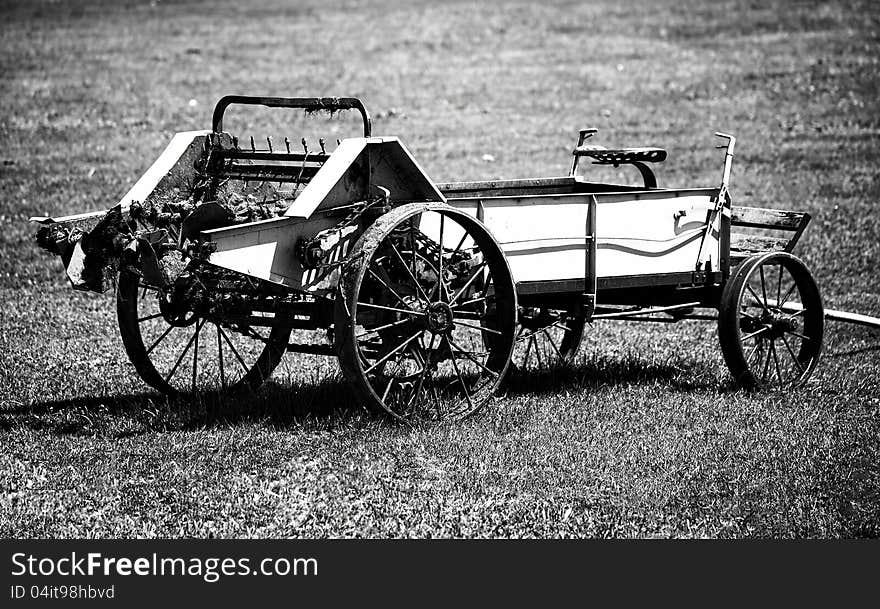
x=644, y=437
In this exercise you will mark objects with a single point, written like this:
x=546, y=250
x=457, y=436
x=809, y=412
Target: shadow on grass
x=607, y=372
x=323, y=405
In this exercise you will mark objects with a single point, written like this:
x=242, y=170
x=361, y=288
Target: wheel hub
x=780, y=324
x=773, y=324
x=440, y=317
x=175, y=312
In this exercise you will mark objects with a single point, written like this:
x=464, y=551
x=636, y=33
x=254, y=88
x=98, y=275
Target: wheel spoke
x=199, y=324
x=389, y=288
x=796, y=314
x=388, y=387
x=561, y=326
x=480, y=328
x=538, y=355
x=384, y=308
x=785, y=298
x=469, y=302
x=526, y=358
x=467, y=284
x=412, y=241
x=776, y=361
x=160, y=339
x=385, y=327
x=766, y=365
x=458, y=373
x=763, y=284
x=798, y=334
x=234, y=350
x=779, y=286
x=440, y=254
x=393, y=351
x=753, y=334
x=410, y=273
x=220, y=358
x=149, y=317
x=791, y=352
x=469, y=355
x=182, y=355
x=553, y=344
x=757, y=298
x=753, y=351
x=460, y=243
x=426, y=369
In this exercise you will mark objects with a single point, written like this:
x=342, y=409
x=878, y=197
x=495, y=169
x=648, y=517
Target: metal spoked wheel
x=546, y=339
x=424, y=285
x=178, y=352
x=771, y=322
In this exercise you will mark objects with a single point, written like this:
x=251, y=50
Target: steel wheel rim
x=418, y=315
x=549, y=345
x=779, y=322
x=198, y=356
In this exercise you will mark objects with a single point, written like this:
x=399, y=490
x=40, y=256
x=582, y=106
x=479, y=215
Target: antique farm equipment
x=227, y=255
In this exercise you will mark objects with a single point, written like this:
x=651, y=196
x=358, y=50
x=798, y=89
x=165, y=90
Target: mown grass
x=644, y=436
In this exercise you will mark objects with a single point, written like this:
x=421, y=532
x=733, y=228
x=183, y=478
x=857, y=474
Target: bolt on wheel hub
x=439, y=317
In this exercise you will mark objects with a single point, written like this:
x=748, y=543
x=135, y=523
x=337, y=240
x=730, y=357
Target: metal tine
x=287, y=145
x=269, y=141
x=321, y=142
x=235, y=143
x=247, y=183
x=337, y=141
x=305, y=145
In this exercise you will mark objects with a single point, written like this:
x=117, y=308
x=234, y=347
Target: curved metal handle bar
x=310, y=104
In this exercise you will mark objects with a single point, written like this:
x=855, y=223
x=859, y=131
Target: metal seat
x=617, y=157
x=637, y=157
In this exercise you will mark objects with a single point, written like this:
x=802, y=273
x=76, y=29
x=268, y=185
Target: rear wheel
x=183, y=352
x=546, y=339
x=424, y=284
x=771, y=322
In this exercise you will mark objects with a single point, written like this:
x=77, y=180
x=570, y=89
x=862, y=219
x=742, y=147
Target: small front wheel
x=771, y=322
x=422, y=288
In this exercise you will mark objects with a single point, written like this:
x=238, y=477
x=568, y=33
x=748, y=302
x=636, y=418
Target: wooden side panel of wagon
x=561, y=242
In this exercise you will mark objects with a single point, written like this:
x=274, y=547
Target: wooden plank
x=760, y=217
x=751, y=244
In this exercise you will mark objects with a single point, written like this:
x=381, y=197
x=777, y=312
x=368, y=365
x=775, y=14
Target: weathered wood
x=753, y=244
x=759, y=217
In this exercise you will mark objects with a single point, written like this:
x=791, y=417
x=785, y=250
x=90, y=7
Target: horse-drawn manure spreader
x=427, y=293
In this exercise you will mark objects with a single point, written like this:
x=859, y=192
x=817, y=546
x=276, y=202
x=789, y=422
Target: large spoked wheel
x=425, y=284
x=771, y=322
x=546, y=339
x=186, y=353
